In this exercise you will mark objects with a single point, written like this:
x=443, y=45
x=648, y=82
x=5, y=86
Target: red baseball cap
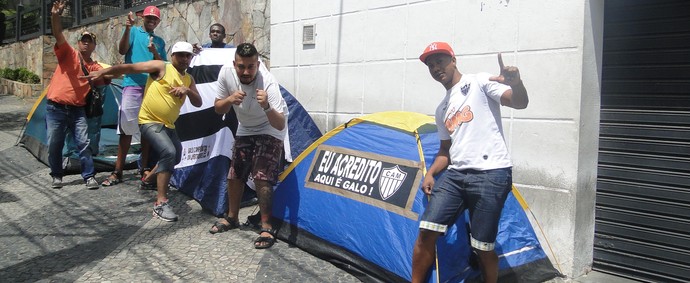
x=436, y=47
x=152, y=11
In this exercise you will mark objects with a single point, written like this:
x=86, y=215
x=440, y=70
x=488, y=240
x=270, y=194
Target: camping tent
x=103, y=130
x=353, y=198
x=207, y=138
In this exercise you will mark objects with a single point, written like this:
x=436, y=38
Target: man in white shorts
x=138, y=44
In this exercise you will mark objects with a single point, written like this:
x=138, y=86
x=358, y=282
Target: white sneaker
x=57, y=182
x=92, y=184
x=164, y=211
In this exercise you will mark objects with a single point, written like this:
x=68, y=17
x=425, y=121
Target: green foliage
x=21, y=75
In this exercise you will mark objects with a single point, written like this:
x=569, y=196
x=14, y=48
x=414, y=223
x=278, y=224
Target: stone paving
x=109, y=235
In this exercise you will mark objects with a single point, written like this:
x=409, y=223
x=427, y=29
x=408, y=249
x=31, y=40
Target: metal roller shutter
x=643, y=191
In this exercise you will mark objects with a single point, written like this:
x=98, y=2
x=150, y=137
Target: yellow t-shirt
x=159, y=106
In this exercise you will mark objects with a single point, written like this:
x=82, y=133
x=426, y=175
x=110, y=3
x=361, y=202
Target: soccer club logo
x=465, y=88
x=391, y=179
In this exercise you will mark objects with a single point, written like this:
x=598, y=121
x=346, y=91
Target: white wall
x=365, y=60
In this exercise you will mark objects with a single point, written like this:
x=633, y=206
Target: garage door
x=643, y=191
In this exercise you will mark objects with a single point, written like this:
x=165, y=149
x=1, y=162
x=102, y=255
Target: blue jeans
x=60, y=120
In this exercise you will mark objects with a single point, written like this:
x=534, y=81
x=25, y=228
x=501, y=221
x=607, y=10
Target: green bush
x=21, y=75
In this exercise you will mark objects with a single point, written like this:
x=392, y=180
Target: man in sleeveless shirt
x=168, y=86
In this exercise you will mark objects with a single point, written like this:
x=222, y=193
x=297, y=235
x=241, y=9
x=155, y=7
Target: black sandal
x=114, y=179
x=222, y=227
x=268, y=240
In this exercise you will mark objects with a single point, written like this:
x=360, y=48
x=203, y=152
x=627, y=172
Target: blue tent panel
x=373, y=237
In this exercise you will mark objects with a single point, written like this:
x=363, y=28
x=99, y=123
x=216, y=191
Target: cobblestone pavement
x=109, y=235
x=74, y=234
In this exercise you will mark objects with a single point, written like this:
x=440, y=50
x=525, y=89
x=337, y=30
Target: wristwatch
x=268, y=109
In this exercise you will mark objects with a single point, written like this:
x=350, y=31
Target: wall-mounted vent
x=308, y=34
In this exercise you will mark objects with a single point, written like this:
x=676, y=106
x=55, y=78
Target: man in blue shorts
x=138, y=44
x=474, y=152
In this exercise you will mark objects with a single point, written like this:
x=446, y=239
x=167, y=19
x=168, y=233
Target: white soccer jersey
x=470, y=116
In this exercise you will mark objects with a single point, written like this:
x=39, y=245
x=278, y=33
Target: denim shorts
x=259, y=156
x=483, y=193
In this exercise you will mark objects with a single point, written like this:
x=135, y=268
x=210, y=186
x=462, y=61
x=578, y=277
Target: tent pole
x=524, y=205
x=421, y=160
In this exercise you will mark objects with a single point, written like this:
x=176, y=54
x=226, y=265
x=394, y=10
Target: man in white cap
x=167, y=87
x=473, y=150
x=138, y=44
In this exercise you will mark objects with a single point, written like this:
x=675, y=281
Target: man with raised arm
x=168, y=85
x=138, y=44
x=474, y=155
x=66, y=98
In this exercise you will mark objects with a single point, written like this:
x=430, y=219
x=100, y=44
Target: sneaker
x=164, y=212
x=57, y=182
x=92, y=184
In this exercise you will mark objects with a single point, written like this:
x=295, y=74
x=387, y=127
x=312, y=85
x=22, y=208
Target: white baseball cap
x=182, y=47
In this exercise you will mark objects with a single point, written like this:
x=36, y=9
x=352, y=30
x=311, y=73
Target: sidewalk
x=73, y=234
x=108, y=235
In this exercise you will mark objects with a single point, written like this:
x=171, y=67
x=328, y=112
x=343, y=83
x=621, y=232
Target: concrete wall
x=364, y=60
x=180, y=21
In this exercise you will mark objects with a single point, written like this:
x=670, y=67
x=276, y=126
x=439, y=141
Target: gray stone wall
x=248, y=20
x=27, y=54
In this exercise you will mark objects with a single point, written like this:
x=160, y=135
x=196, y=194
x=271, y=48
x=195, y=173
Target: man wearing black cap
x=473, y=150
x=66, y=98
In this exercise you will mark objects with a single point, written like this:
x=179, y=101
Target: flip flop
x=262, y=239
x=222, y=227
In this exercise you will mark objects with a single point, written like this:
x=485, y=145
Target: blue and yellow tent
x=353, y=198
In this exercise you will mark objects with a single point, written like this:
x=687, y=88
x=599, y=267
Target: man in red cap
x=474, y=155
x=66, y=98
x=138, y=44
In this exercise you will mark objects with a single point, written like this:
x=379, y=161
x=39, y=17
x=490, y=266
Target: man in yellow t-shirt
x=167, y=87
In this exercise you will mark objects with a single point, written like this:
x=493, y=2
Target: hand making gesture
x=262, y=98
x=94, y=75
x=237, y=97
x=58, y=7
x=510, y=75
x=130, y=20
x=179, y=91
x=152, y=46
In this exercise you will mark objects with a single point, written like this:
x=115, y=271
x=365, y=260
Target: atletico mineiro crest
x=391, y=179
